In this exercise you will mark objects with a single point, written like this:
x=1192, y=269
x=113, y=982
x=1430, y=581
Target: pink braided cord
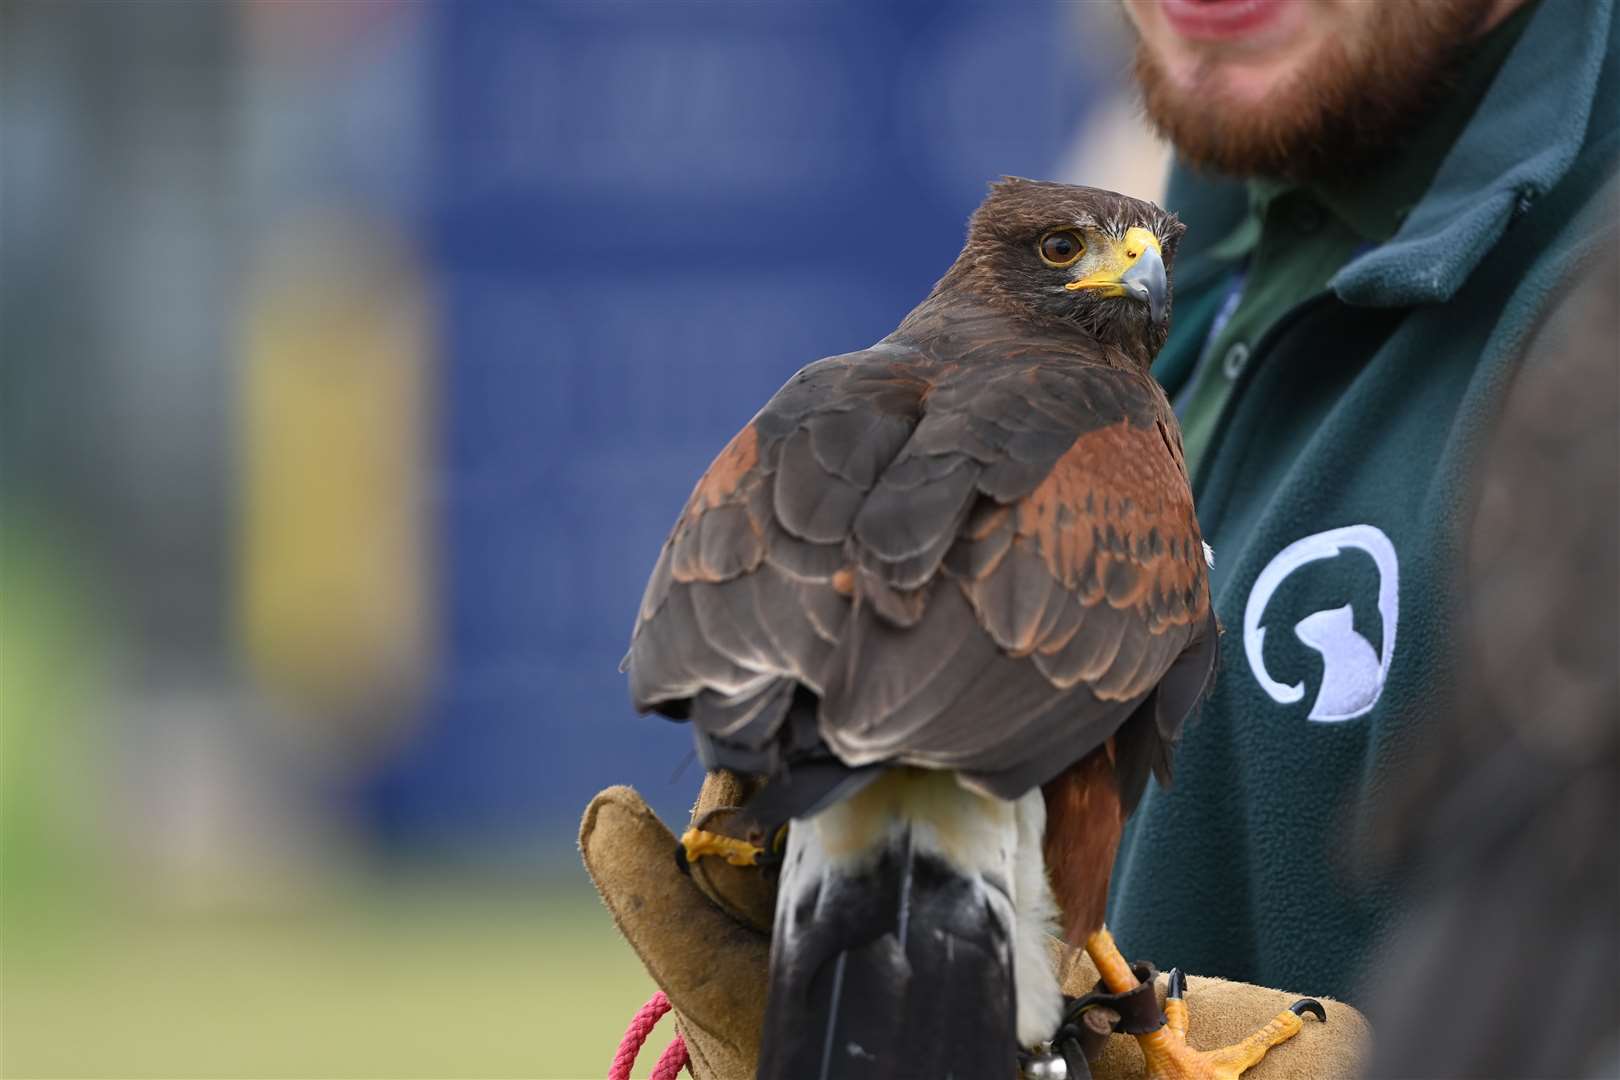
x=672, y=1060
x=674, y=1057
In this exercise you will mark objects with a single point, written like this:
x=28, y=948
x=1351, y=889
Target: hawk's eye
x=1062, y=248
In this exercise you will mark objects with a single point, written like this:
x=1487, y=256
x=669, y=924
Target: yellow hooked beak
x=1133, y=267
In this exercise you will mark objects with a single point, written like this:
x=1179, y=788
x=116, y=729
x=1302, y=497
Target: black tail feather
x=903, y=969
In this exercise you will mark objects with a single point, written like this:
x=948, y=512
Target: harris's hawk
x=948, y=594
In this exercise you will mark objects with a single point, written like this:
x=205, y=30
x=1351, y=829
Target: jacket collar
x=1522, y=140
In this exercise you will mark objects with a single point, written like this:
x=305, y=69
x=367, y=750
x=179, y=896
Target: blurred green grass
x=109, y=969
x=401, y=983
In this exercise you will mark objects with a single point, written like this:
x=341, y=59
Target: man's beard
x=1342, y=113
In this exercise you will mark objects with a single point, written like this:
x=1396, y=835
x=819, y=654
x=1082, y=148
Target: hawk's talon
x=1175, y=1008
x=1309, y=1005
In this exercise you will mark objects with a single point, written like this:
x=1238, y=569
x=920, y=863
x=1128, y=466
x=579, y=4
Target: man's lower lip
x=1218, y=19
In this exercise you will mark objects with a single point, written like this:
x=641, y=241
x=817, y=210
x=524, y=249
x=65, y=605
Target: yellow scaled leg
x=1166, y=1051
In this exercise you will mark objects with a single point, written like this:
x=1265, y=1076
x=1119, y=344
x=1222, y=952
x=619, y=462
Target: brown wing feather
x=1078, y=556
x=983, y=566
x=1103, y=576
x=753, y=585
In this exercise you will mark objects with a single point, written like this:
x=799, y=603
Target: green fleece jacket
x=1335, y=493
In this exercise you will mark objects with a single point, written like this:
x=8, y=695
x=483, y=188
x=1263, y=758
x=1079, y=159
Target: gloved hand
x=705, y=940
x=708, y=953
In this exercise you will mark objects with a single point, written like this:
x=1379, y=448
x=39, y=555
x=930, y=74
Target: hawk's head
x=1078, y=258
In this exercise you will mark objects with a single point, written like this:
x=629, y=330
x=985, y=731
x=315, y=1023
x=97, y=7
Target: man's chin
x=1222, y=114
x=1229, y=86
x=1306, y=113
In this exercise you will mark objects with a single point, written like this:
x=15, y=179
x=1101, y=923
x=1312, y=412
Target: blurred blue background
x=357, y=357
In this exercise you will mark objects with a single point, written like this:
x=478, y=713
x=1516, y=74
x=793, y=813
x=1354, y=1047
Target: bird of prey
x=949, y=595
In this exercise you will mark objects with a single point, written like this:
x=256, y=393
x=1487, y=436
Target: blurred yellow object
x=334, y=552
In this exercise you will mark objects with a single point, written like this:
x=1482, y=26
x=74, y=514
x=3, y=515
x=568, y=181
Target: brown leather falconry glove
x=705, y=940
x=708, y=957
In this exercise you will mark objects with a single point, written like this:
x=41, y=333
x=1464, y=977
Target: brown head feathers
x=1002, y=263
